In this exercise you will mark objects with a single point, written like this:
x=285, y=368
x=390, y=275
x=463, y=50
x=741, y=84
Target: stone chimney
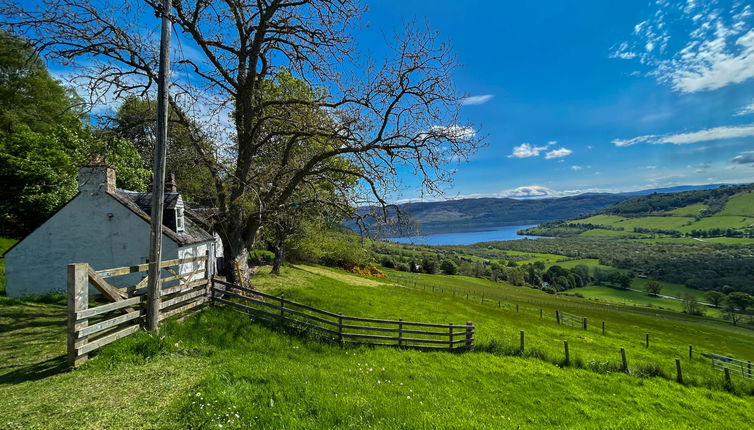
x=96, y=178
x=170, y=184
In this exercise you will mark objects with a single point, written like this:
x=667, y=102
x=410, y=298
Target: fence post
x=340, y=328
x=450, y=337
x=749, y=363
x=78, y=300
x=647, y=341
x=691, y=350
x=498, y=303
x=728, y=383
x=540, y=314
x=584, y=322
x=516, y=307
x=557, y=316
x=603, y=328
x=400, y=332
x=469, y=335
x=467, y=296
x=679, y=376
x=567, y=353
x=282, y=311
x=623, y=358
x=522, y=341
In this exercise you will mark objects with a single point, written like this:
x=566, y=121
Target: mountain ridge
x=475, y=214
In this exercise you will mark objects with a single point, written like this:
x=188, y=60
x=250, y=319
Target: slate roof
x=140, y=204
x=144, y=200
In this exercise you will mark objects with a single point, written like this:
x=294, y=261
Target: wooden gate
x=92, y=326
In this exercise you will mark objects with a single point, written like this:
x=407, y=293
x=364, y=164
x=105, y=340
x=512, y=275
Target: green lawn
x=219, y=368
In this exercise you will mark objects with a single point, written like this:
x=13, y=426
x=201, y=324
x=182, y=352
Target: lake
x=496, y=233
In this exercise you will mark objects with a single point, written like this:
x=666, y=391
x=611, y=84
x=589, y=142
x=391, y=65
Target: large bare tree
x=384, y=118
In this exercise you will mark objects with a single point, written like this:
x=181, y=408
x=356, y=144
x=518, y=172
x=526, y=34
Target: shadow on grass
x=36, y=371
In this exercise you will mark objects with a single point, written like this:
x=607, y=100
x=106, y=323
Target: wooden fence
x=731, y=366
x=340, y=328
x=571, y=319
x=90, y=328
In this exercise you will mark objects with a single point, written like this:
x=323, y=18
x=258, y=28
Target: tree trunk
x=279, y=256
x=236, y=244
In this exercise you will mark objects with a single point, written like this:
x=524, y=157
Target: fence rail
x=90, y=328
x=571, y=319
x=734, y=366
x=341, y=328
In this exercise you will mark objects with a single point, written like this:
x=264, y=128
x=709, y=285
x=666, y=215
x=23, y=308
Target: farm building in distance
x=105, y=227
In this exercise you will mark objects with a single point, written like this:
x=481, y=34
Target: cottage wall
x=92, y=228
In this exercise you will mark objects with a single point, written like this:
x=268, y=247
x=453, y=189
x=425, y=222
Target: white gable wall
x=81, y=232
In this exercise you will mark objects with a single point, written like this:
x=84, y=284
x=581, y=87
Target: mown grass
x=219, y=368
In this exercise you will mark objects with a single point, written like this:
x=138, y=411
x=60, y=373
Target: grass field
x=218, y=368
x=690, y=210
x=637, y=298
x=740, y=204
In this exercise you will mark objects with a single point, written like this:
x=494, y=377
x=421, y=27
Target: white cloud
x=526, y=150
x=746, y=110
x=476, y=100
x=558, y=153
x=715, y=46
x=530, y=191
x=650, y=167
x=716, y=133
x=713, y=64
x=577, y=168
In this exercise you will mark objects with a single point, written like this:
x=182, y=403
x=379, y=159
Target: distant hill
x=677, y=189
x=477, y=214
x=725, y=211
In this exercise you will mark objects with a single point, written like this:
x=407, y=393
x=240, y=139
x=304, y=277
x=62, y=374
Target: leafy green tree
x=429, y=266
x=716, y=298
x=448, y=267
x=135, y=122
x=653, y=288
x=691, y=305
x=42, y=138
x=740, y=301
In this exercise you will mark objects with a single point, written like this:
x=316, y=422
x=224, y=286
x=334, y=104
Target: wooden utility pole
x=158, y=176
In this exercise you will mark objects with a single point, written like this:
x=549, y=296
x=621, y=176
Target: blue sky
x=587, y=96
x=594, y=95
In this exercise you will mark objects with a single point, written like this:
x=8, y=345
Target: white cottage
x=105, y=227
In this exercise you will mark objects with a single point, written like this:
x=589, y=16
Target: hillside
x=462, y=215
x=727, y=211
x=219, y=369
x=476, y=214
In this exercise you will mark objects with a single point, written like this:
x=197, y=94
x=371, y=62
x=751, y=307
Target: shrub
x=448, y=267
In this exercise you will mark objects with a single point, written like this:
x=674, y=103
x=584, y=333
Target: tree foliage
x=43, y=138
x=380, y=116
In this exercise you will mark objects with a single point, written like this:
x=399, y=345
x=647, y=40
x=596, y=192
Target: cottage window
x=179, y=219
